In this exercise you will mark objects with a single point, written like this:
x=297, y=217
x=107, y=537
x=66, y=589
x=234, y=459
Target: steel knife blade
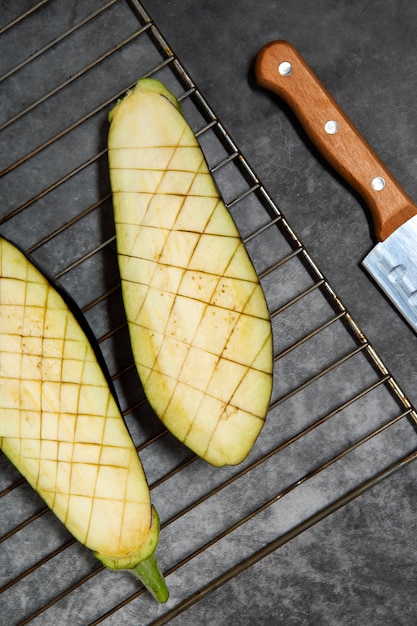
x=392, y=262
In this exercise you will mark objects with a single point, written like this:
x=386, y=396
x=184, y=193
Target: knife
x=393, y=261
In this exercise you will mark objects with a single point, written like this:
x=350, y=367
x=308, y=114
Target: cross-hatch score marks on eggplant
x=61, y=427
x=198, y=320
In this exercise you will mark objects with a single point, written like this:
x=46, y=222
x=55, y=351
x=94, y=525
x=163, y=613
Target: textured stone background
x=359, y=565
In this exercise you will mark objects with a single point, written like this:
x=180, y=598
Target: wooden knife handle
x=280, y=68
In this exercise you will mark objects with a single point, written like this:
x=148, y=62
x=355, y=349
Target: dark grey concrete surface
x=358, y=566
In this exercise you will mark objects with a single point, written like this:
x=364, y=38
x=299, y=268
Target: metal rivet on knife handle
x=285, y=68
x=346, y=150
x=378, y=183
x=331, y=127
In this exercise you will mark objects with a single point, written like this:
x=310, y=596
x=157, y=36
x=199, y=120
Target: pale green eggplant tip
x=152, y=578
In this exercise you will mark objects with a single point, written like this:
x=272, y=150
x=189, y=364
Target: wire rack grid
x=335, y=405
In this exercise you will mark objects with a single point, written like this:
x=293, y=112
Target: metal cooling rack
x=335, y=406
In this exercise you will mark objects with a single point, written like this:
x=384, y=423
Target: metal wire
x=357, y=402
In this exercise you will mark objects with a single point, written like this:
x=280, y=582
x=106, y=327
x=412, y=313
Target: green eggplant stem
x=151, y=577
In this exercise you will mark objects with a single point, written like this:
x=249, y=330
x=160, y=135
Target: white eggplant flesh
x=61, y=426
x=198, y=319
